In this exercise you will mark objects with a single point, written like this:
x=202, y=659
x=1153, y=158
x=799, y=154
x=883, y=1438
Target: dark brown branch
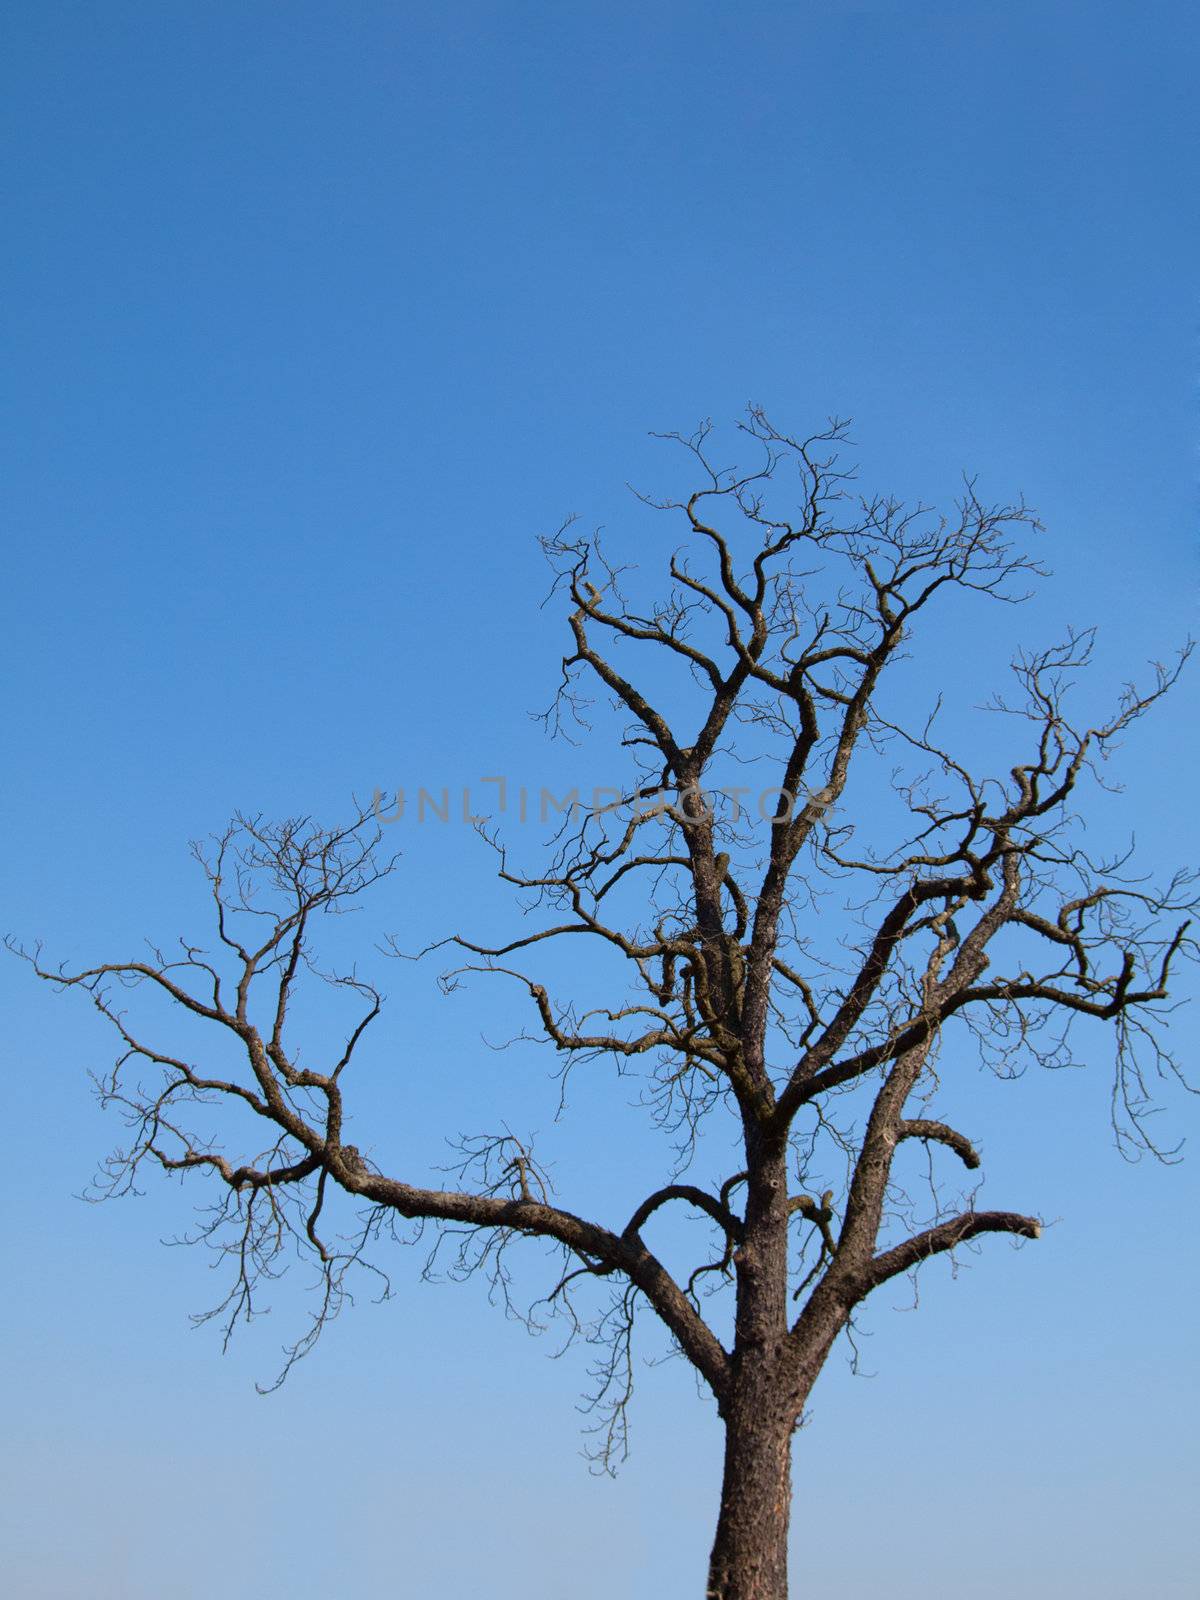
x=699, y=1198
x=936, y=1241
x=941, y=1133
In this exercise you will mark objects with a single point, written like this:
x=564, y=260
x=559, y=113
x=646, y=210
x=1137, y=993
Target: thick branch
x=937, y=1240
x=625, y=1253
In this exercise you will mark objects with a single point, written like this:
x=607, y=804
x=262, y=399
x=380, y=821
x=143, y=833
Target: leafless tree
x=808, y=978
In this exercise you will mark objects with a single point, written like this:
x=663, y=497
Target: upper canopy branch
x=764, y=641
x=1005, y=853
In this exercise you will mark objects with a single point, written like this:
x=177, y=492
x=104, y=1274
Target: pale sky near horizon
x=316, y=315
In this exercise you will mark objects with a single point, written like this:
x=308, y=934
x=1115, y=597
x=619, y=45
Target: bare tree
x=803, y=976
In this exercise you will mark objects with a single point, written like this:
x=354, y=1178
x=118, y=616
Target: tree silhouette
x=806, y=964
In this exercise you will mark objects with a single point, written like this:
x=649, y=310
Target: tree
x=795, y=968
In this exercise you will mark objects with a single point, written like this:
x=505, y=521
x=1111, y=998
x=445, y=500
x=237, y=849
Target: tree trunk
x=749, y=1555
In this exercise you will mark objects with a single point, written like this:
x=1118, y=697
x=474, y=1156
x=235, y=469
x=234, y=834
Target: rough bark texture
x=749, y=1554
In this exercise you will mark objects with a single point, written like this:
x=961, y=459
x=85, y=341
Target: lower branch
x=624, y=1254
x=937, y=1240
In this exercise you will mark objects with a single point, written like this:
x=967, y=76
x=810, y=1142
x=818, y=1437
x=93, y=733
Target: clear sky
x=316, y=315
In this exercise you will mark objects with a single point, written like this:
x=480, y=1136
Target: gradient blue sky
x=316, y=315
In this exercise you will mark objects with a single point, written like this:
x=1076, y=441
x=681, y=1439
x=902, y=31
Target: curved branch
x=625, y=1253
x=719, y=1212
x=937, y=1240
x=922, y=1128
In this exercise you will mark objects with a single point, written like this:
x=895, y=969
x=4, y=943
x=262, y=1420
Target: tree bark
x=749, y=1555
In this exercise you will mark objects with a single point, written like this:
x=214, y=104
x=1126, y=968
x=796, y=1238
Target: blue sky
x=316, y=315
